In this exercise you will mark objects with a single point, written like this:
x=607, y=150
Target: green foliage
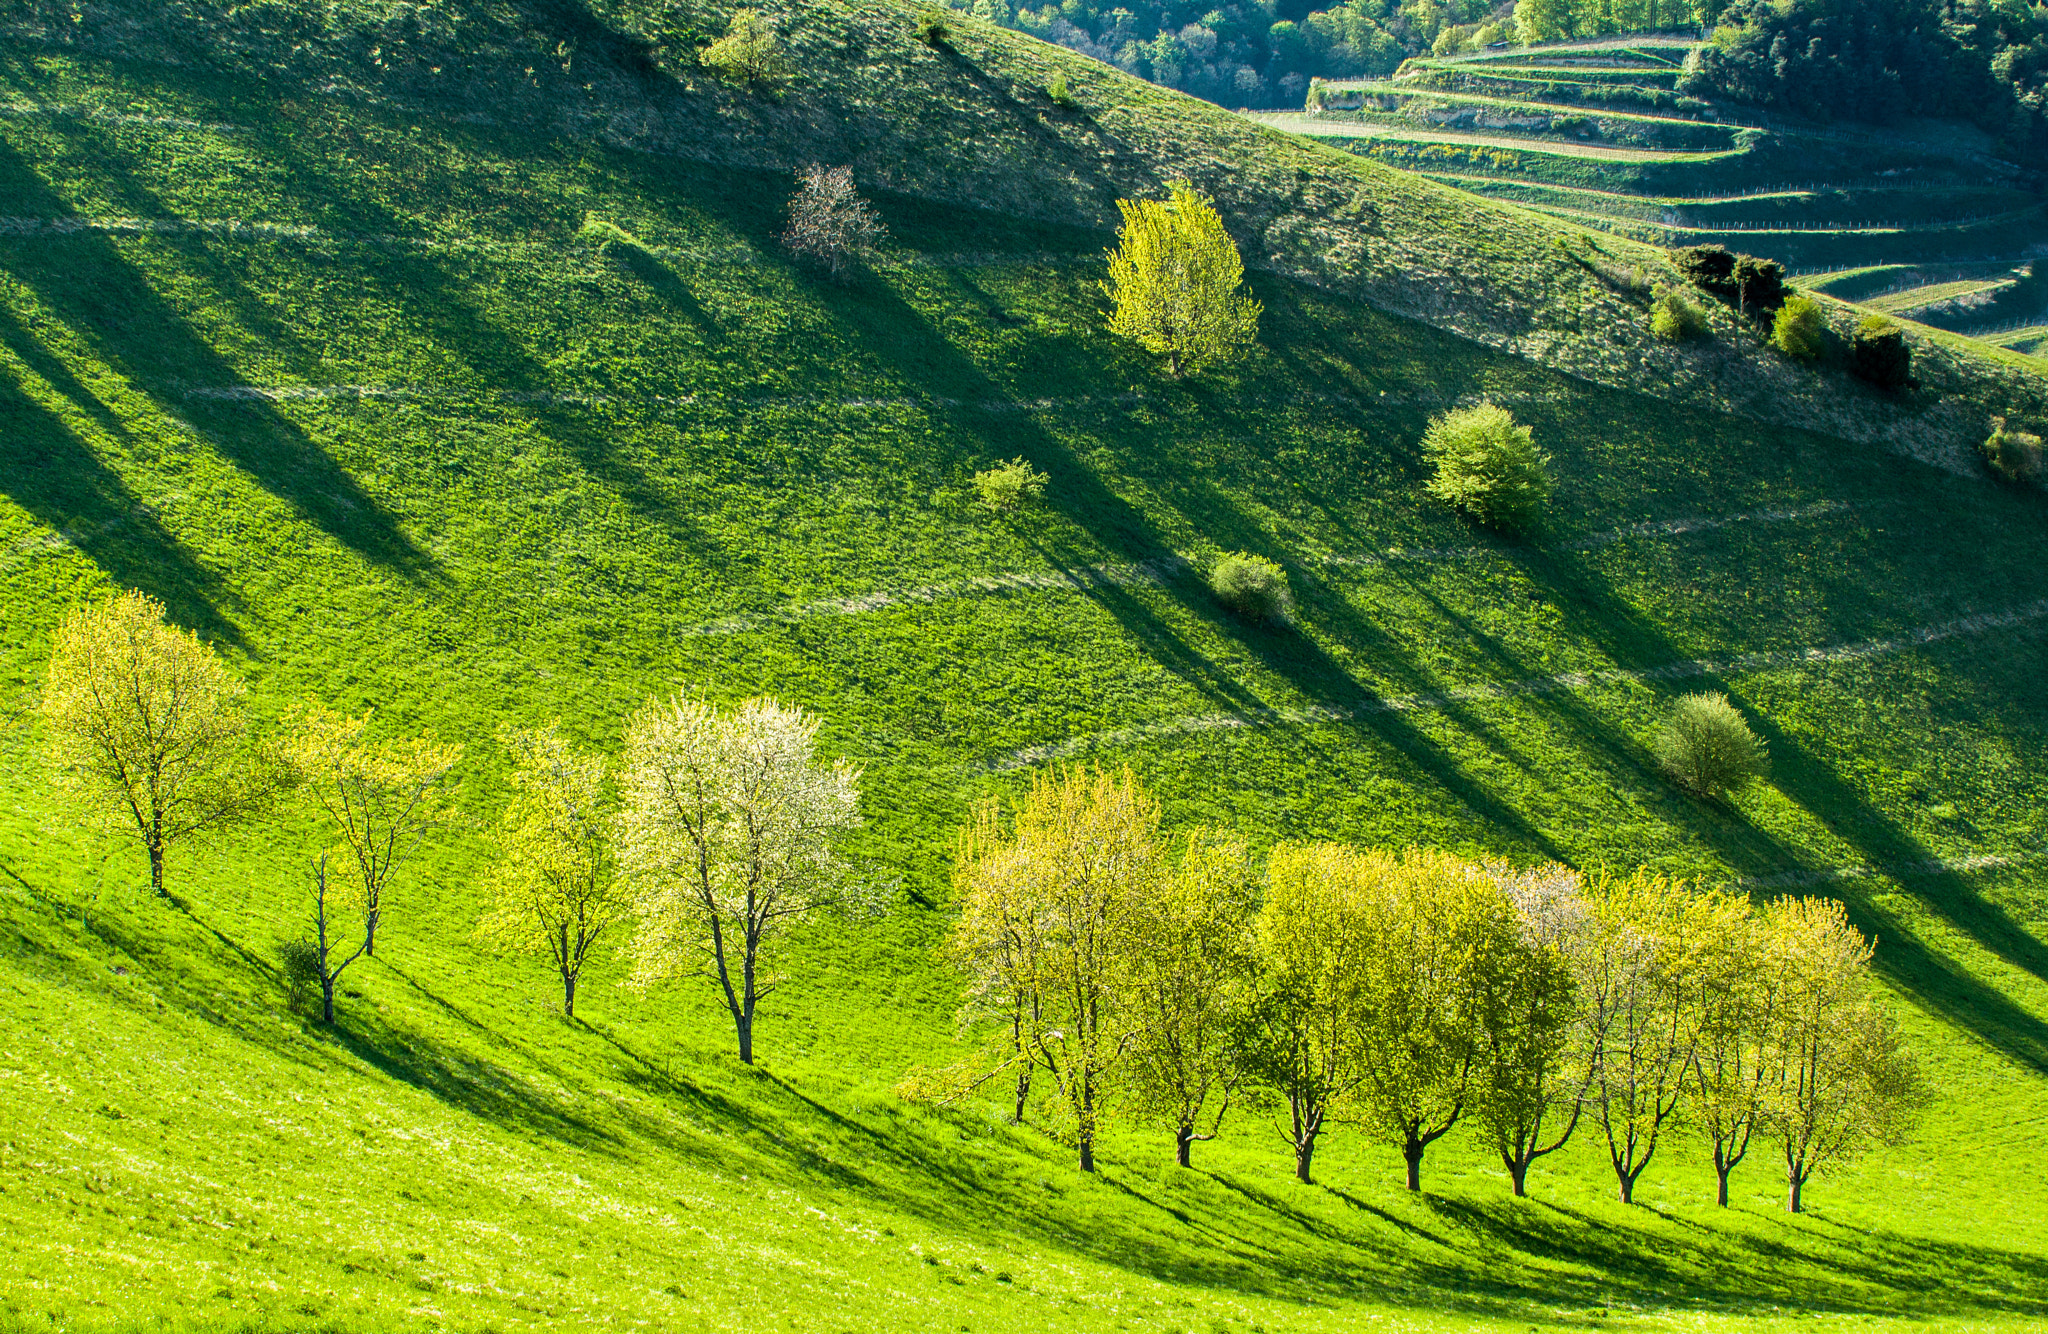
x=1175, y=277
x=1057, y=91
x=299, y=963
x=1708, y=747
x=708, y=469
x=602, y=235
x=749, y=53
x=1674, y=318
x=1252, y=586
x=1800, y=329
x=932, y=28
x=2013, y=454
x=1008, y=487
x=1487, y=466
x=1881, y=355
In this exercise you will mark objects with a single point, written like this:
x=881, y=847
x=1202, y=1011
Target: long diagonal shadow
x=84, y=280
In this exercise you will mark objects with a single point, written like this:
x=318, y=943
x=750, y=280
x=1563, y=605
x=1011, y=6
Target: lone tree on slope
x=1174, y=277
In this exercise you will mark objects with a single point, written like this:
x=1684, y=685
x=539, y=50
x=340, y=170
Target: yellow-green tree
x=555, y=889
x=1841, y=1078
x=1303, y=1037
x=381, y=797
x=728, y=824
x=1642, y=998
x=1741, y=998
x=1174, y=276
x=1430, y=919
x=1524, y=1082
x=1189, y=985
x=149, y=724
x=1051, y=904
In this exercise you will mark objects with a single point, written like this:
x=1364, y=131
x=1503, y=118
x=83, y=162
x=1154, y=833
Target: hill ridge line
x=1165, y=570
x=1190, y=724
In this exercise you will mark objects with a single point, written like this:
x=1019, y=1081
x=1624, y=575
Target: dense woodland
x=1882, y=60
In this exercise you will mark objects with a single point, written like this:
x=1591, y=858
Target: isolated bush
x=602, y=236
x=1675, y=319
x=1062, y=96
x=1009, y=486
x=1487, y=466
x=1252, y=586
x=750, y=51
x=931, y=26
x=828, y=220
x=299, y=962
x=1880, y=354
x=1800, y=330
x=1707, y=746
x=2013, y=455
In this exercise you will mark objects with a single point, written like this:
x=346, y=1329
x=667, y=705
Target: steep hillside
x=304, y=332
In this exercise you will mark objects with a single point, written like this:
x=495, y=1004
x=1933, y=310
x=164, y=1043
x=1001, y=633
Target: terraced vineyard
x=1920, y=222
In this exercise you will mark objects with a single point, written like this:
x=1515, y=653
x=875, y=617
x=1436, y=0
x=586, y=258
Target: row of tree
x=712, y=834
x=1117, y=973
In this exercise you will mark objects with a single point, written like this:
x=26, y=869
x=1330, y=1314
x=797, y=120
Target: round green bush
x=1800, y=329
x=1707, y=746
x=1252, y=586
x=2013, y=454
x=1488, y=466
x=1009, y=486
x=1675, y=319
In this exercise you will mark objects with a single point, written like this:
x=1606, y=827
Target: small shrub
x=1487, y=466
x=1880, y=354
x=299, y=961
x=931, y=26
x=1009, y=486
x=1252, y=586
x=1800, y=330
x=602, y=236
x=828, y=220
x=1707, y=746
x=1675, y=319
x=2013, y=455
x=1062, y=96
x=750, y=52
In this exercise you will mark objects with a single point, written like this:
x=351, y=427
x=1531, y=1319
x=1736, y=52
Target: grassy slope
x=569, y=465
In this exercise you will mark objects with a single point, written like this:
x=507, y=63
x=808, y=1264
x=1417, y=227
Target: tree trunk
x=569, y=994
x=370, y=932
x=1304, y=1155
x=1412, y=1151
x=1183, y=1144
x=1023, y=1091
x=743, y=1025
x=1087, y=1151
x=1792, y=1202
x=1722, y=1169
x=1518, y=1173
x=326, y=998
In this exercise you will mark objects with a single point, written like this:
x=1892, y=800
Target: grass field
x=335, y=378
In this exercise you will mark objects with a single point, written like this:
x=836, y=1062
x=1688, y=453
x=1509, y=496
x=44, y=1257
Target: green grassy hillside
x=300, y=336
